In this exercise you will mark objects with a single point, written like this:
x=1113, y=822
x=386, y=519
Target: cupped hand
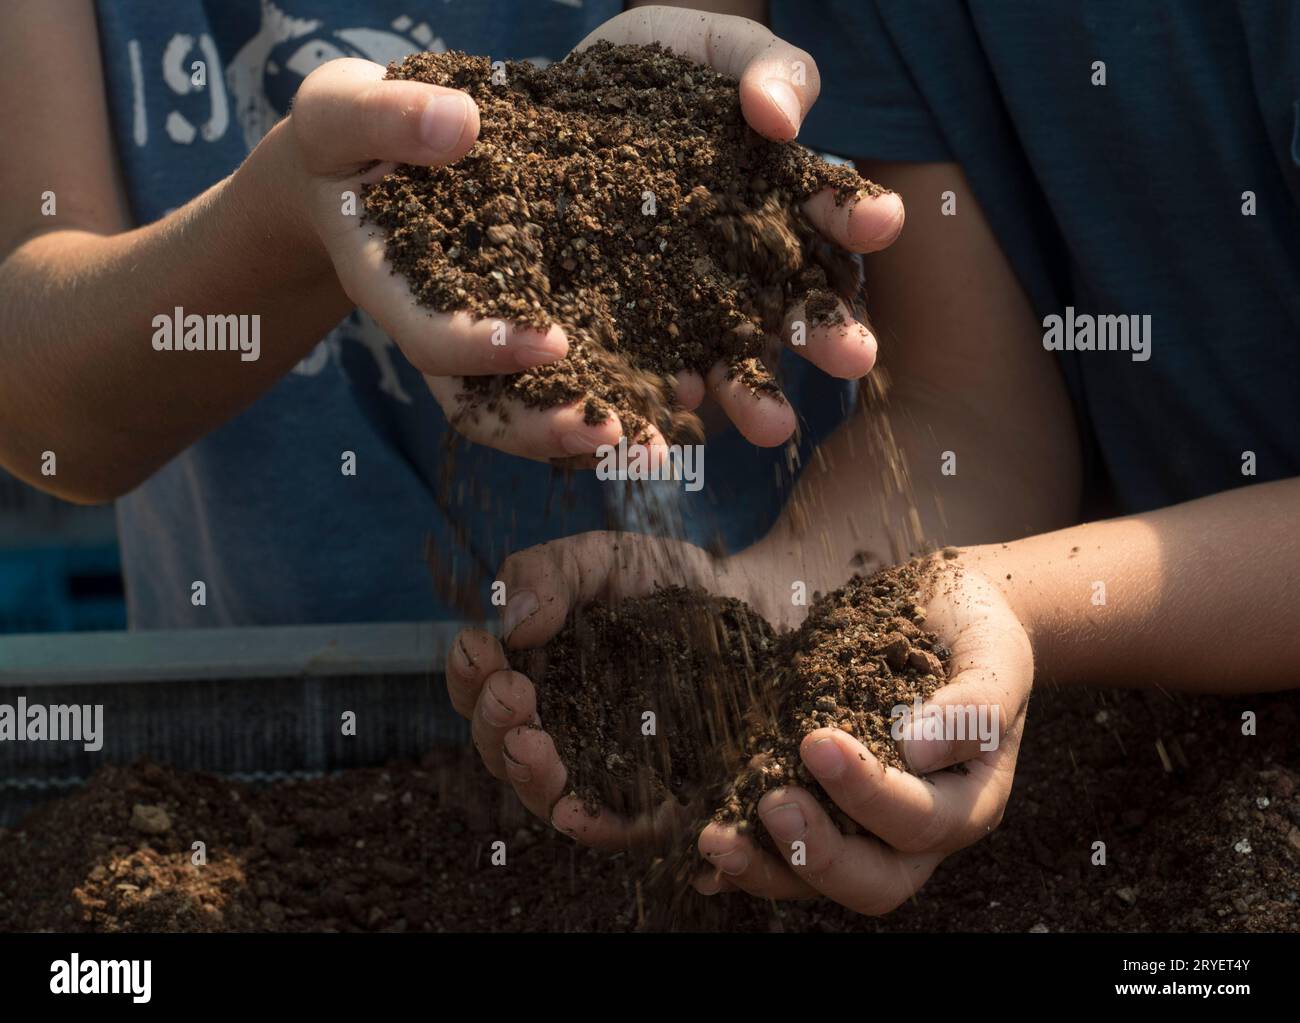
x=351, y=127
x=778, y=85
x=909, y=823
x=543, y=585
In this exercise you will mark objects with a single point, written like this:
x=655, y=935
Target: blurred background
x=59, y=567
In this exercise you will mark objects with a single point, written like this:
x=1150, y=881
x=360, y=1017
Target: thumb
x=545, y=583
x=346, y=114
x=778, y=82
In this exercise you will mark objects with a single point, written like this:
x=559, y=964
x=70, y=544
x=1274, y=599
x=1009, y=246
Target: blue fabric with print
x=1122, y=198
x=259, y=509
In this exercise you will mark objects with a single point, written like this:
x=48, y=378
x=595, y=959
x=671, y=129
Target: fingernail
x=464, y=652
x=519, y=607
x=825, y=759
x=563, y=829
x=923, y=755
x=517, y=769
x=443, y=121
x=786, y=822
x=784, y=99
x=496, y=711
x=533, y=348
x=731, y=863
x=582, y=442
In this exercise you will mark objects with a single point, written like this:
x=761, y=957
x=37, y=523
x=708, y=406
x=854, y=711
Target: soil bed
x=620, y=194
x=409, y=847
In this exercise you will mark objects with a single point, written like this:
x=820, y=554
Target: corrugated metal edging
x=241, y=702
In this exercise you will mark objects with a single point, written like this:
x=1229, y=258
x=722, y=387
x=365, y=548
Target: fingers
x=939, y=814
x=345, y=114
x=739, y=863
x=474, y=655
x=534, y=768
x=846, y=349
x=778, y=82
x=437, y=344
x=506, y=701
x=546, y=582
x=778, y=85
x=539, y=434
x=689, y=390
x=608, y=831
x=859, y=224
x=861, y=873
x=764, y=419
x=972, y=715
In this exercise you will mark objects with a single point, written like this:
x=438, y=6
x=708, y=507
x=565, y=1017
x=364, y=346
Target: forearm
x=881, y=488
x=81, y=376
x=1199, y=597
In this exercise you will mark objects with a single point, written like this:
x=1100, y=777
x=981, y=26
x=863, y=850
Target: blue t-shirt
x=1115, y=199
x=258, y=510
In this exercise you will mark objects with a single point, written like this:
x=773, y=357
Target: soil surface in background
x=620, y=194
x=1201, y=825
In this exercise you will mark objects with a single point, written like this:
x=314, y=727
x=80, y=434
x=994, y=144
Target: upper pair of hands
x=910, y=823
x=346, y=116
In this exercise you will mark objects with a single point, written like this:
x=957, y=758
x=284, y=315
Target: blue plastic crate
x=60, y=588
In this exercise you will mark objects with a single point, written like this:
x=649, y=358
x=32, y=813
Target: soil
x=731, y=702
x=620, y=194
x=1209, y=843
x=692, y=661
x=862, y=651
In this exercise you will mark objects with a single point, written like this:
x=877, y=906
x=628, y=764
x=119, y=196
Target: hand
x=774, y=101
x=911, y=823
x=345, y=117
x=544, y=584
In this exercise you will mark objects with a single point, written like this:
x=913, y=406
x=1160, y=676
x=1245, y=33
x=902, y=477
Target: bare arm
x=968, y=375
x=1199, y=597
x=78, y=290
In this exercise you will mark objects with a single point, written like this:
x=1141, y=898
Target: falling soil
x=1204, y=838
x=729, y=702
x=642, y=696
x=620, y=194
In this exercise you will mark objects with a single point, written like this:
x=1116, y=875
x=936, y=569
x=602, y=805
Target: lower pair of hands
x=909, y=823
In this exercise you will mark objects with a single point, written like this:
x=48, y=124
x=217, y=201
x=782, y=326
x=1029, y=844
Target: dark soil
x=731, y=701
x=693, y=661
x=862, y=651
x=548, y=219
x=1210, y=844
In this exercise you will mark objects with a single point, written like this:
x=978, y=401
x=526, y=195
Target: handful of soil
x=862, y=651
x=731, y=700
x=621, y=194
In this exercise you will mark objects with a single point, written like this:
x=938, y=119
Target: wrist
x=1004, y=566
x=270, y=190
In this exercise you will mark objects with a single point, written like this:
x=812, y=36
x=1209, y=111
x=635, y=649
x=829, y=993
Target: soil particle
x=152, y=820
x=620, y=194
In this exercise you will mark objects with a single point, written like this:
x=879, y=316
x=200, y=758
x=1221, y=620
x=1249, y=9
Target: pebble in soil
x=620, y=194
